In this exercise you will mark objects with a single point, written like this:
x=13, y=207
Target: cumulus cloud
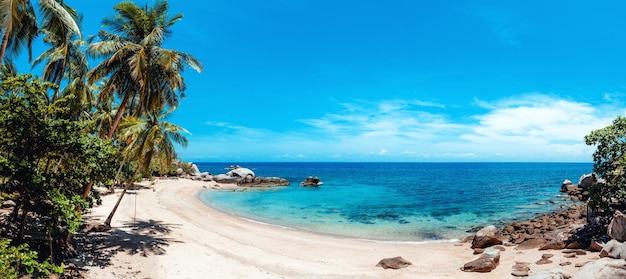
x=530, y=127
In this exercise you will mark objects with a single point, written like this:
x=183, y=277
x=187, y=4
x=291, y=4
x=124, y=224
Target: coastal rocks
x=245, y=177
x=586, y=180
x=393, y=263
x=614, y=249
x=617, y=227
x=602, y=268
x=553, y=228
x=486, y=237
x=520, y=269
x=487, y=262
x=311, y=182
x=545, y=259
x=263, y=182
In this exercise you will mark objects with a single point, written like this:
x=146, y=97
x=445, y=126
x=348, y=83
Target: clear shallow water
x=399, y=201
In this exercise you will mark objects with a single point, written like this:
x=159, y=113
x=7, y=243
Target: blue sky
x=423, y=81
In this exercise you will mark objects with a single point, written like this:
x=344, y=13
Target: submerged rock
x=311, y=181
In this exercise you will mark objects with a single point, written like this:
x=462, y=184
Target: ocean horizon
x=409, y=202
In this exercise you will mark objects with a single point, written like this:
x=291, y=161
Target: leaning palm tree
x=148, y=138
x=144, y=75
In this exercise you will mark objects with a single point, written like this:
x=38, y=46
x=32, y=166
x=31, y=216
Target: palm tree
x=65, y=58
x=142, y=73
x=18, y=23
x=149, y=137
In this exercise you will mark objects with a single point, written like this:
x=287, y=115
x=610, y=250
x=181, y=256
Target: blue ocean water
x=399, y=201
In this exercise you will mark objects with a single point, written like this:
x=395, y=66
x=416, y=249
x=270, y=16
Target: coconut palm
x=18, y=23
x=64, y=58
x=149, y=137
x=144, y=75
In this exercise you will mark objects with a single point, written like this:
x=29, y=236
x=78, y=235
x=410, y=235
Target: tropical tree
x=144, y=75
x=18, y=23
x=45, y=159
x=609, y=164
x=64, y=58
x=149, y=137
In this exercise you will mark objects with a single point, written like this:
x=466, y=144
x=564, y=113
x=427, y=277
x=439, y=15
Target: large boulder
x=586, y=180
x=614, y=249
x=602, y=268
x=617, y=228
x=488, y=261
x=194, y=170
x=311, y=182
x=240, y=172
x=393, y=263
x=486, y=237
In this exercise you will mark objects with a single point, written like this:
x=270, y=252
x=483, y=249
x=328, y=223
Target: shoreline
x=181, y=237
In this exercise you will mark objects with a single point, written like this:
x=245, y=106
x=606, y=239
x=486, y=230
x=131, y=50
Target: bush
x=21, y=260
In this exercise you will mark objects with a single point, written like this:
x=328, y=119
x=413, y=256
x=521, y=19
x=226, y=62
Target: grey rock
x=393, y=263
x=614, y=249
x=550, y=274
x=603, y=268
x=488, y=261
x=617, y=228
x=486, y=237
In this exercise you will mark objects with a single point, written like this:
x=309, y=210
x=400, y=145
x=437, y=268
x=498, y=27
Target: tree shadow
x=141, y=238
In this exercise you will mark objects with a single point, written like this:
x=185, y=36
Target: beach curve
x=201, y=242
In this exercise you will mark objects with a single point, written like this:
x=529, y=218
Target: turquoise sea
x=398, y=201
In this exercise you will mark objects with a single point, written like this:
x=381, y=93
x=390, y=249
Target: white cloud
x=531, y=127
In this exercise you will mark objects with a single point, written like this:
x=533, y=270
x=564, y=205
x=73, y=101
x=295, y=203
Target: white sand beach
x=165, y=231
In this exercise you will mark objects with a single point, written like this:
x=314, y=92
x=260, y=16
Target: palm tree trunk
x=3, y=47
x=118, y=116
x=107, y=222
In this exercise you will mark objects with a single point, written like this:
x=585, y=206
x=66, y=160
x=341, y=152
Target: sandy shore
x=165, y=231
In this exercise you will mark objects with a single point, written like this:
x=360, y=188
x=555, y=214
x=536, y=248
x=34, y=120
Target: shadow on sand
x=141, y=238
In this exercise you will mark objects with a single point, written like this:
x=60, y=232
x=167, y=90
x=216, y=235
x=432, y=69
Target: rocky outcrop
x=617, y=227
x=393, y=263
x=586, y=180
x=602, y=268
x=311, y=182
x=486, y=237
x=263, y=182
x=487, y=262
x=546, y=228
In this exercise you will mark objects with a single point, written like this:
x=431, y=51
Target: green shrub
x=19, y=260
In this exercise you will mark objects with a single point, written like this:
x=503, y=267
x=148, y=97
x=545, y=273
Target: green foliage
x=609, y=164
x=15, y=260
x=46, y=157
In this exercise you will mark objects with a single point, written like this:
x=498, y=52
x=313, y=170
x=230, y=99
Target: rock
x=487, y=262
x=565, y=263
x=519, y=273
x=393, y=263
x=179, y=171
x=553, y=245
x=487, y=236
x=586, y=180
x=617, y=228
x=602, y=268
x=240, y=172
x=550, y=274
x=545, y=259
x=194, y=170
x=311, y=181
x=614, y=249
x=8, y=203
x=531, y=244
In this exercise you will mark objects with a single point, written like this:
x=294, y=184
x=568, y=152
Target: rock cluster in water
x=243, y=177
